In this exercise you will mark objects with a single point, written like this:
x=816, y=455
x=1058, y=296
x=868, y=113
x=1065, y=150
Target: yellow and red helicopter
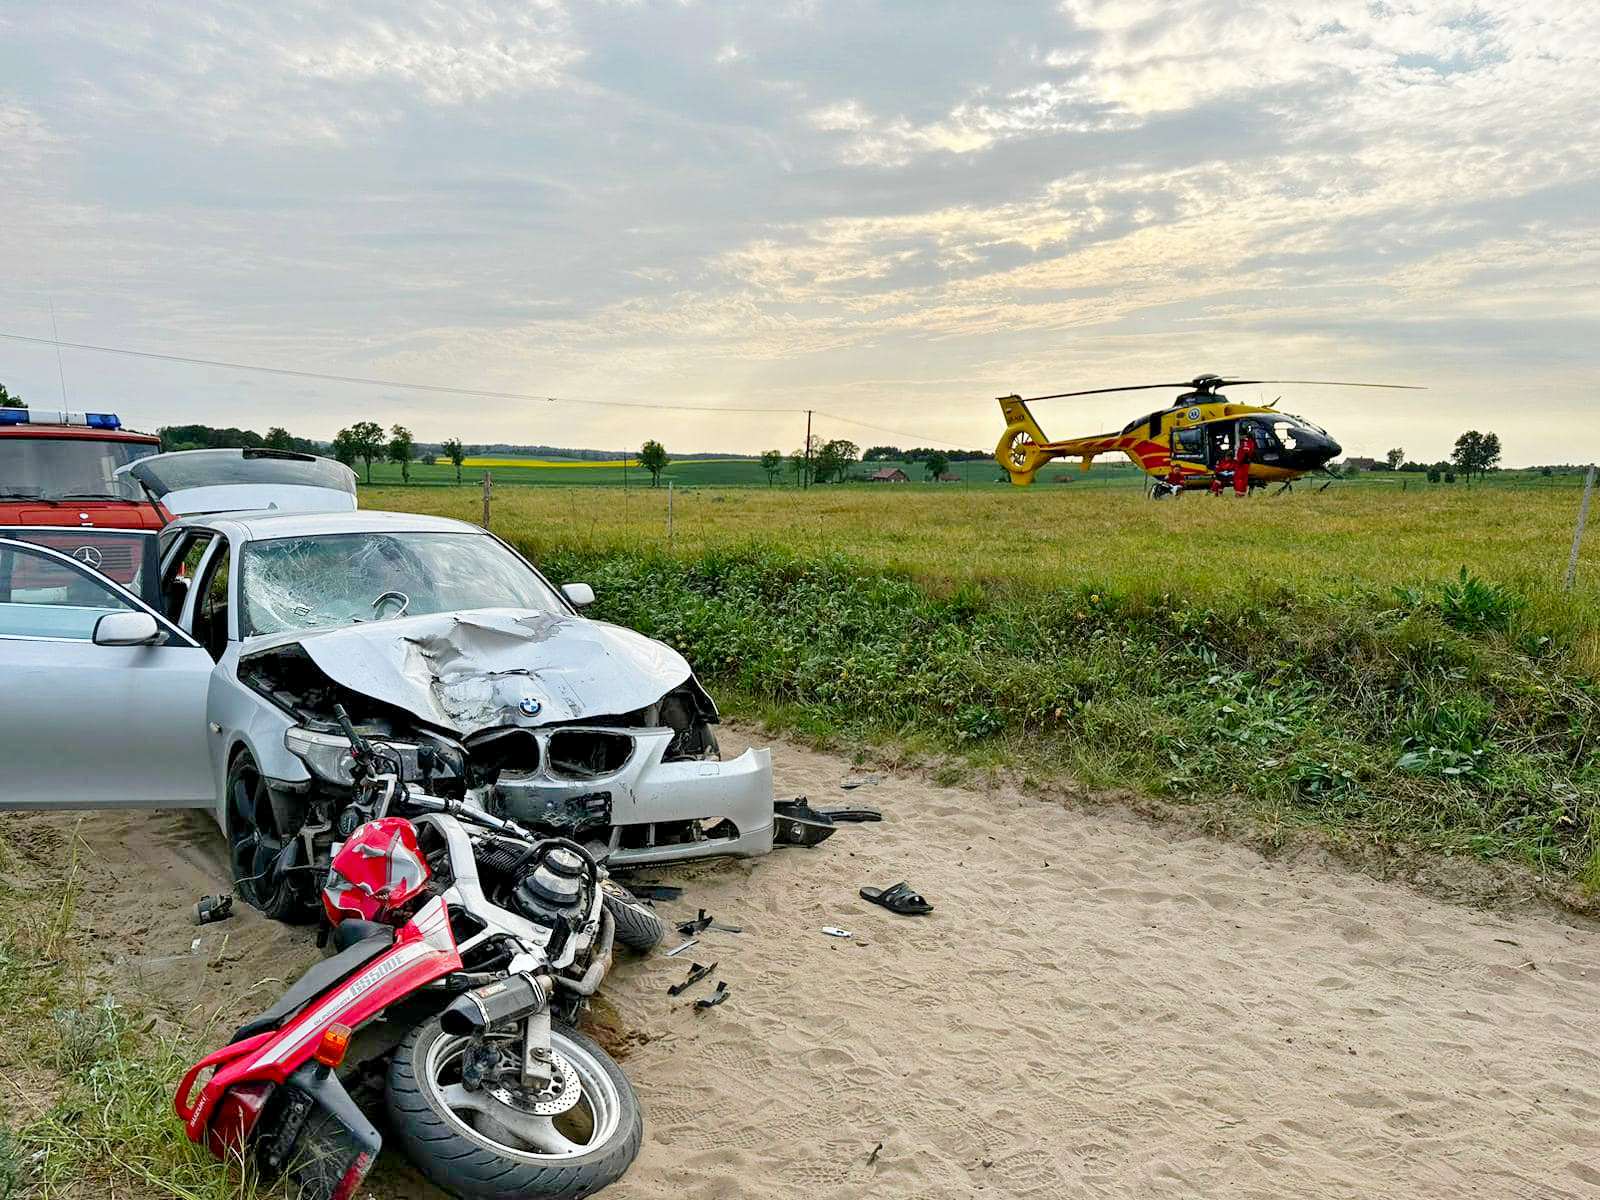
x=1188, y=445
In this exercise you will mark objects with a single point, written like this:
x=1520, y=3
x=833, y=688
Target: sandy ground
x=1098, y=1007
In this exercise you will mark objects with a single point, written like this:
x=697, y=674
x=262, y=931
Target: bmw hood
x=471, y=671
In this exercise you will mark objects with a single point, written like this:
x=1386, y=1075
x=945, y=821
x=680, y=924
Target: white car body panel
x=256, y=497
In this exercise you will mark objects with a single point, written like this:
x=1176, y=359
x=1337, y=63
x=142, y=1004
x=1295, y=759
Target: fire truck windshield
x=33, y=468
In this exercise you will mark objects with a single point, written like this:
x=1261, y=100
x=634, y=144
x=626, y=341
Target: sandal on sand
x=899, y=899
x=796, y=823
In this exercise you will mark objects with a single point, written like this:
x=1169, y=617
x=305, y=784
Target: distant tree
x=279, y=438
x=772, y=464
x=833, y=460
x=881, y=454
x=1476, y=453
x=345, y=449
x=365, y=439
x=10, y=399
x=1546, y=472
x=1395, y=457
x=799, y=467
x=402, y=450
x=456, y=453
x=428, y=459
x=1433, y=475
x=1449, y=476
x=935, y=464
x=653, y=458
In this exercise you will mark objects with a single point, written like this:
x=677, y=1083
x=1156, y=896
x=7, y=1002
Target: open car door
x=218, y=481
x=102, y=699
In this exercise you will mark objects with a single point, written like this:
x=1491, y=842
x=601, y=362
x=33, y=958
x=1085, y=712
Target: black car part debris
x=853, y=815
x=796, y=823
x=696, y=974
x=898, y=899
x=655, y=891
x=212, y=908
x=716, y=997
x=695, y=924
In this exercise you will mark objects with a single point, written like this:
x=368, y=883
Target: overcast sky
x=892, y=212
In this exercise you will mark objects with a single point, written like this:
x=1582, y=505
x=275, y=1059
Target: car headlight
x=326, y=754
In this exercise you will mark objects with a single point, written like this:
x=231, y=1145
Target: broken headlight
x=326, y=755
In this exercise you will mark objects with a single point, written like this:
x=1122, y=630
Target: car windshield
x=35, y=468
x=343, y=578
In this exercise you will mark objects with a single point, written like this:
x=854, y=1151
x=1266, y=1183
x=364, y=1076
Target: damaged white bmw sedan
x=435, y=636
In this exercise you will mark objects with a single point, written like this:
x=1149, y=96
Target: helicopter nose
x=1330, y=450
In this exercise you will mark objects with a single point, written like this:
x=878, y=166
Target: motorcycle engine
x=554, y=894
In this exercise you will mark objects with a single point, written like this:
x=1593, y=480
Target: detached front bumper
x=666, y=811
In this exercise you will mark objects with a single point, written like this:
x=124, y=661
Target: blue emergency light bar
x=22, y=416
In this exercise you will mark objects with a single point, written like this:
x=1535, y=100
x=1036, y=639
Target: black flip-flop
x=898, y=899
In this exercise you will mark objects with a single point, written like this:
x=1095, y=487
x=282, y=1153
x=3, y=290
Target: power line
x=443, y=389
x=368, y=381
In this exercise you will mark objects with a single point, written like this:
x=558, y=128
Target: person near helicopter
x=1242, y=461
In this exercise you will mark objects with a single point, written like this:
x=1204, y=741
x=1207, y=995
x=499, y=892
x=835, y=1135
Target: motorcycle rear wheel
x=480, y=1145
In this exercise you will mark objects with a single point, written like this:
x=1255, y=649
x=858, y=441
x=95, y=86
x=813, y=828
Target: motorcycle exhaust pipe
x=502, y=1002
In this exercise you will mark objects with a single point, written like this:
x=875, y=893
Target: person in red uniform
x=1241, y=466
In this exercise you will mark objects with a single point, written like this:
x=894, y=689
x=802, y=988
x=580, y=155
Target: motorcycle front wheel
x=495, y=1140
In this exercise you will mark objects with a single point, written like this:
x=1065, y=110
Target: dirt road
x=1098, y=1007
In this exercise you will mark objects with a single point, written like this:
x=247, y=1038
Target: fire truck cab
x=60, y=469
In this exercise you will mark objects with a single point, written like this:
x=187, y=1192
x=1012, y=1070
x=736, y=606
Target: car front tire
x=257, y=846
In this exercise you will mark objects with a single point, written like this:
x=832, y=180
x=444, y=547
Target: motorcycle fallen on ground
x=466, y=949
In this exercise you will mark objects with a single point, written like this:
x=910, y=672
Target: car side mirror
x=579, y=595
x=126, y=629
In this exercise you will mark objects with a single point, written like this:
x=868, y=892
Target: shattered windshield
x=343, y=578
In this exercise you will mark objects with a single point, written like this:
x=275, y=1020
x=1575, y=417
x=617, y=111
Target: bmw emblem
x=529, y=706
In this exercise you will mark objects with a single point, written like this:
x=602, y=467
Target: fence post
x=488, y=490
x=1577, y=533
x=669, y=514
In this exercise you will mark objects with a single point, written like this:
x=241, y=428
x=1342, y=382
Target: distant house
x=889, y=475
x=949, y=477
x=1356, y=463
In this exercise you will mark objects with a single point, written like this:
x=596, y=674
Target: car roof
x=261, y=526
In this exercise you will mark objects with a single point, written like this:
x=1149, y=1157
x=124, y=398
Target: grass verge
x=1437, y=715
x=86, y=1084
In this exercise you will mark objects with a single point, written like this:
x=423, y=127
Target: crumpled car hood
x=488, y=668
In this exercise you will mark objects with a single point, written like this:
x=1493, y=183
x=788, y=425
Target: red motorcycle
x=467, y=948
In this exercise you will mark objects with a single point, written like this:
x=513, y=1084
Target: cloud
x=824, y=203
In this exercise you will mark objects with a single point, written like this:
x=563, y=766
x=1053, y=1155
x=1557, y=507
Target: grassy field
x=1390, y=665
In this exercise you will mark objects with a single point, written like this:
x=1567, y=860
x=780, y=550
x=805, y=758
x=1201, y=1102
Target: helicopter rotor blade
x=1223, y=383
x=1138, y=387
x=1409, y=387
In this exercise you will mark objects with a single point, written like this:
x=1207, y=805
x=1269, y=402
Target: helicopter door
x=1189, y=447
x=1221, y=441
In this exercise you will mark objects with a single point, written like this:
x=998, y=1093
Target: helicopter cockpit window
x=1283, y=431
x=1189, y=443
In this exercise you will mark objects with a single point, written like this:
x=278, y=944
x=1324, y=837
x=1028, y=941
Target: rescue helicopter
x=1192, y=444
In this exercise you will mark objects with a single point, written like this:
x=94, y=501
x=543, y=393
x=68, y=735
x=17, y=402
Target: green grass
x=1400, y=666
x=85, y=1085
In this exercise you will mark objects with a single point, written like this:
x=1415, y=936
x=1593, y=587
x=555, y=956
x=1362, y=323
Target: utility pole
x=807, y=481
x=488, y=489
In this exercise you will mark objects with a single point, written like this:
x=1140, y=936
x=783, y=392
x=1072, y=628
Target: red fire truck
x=58, y=483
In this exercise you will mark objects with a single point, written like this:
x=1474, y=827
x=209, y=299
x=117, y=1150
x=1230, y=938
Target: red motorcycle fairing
x=424, y=950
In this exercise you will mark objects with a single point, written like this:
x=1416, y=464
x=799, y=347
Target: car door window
x=182, y=562
x=43, y=597
x=211, y=604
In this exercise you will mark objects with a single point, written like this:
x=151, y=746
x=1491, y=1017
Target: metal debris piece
x=716, y=997
x=212, y=908
x=695, y=925
x=696, y=974
x=677, y=950
x=835, y=931
x=852, y=782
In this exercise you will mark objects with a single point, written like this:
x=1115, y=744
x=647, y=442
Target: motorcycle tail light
x=335, y=1041
x=235, y=1120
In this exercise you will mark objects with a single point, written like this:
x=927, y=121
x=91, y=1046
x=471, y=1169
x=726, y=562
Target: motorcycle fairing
x=424, y=950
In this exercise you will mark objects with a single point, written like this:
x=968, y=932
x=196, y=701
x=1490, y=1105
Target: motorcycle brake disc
x=562, y=1095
